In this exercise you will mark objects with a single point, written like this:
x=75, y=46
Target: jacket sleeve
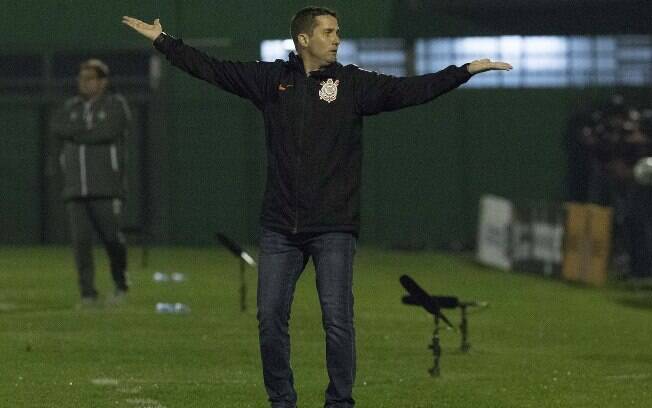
x=376, y=93
x=109, y=130
x=62, y=127
x=245, y=79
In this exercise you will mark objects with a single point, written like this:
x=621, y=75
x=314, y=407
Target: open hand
x=486, y=64
x=150, y=31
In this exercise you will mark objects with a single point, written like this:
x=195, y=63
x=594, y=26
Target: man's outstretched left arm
x=377, y=93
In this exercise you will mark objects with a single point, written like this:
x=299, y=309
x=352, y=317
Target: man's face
x=90, y=84
x=325, y=39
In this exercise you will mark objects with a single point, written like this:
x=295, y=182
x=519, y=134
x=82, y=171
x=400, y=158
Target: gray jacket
x=90, y=136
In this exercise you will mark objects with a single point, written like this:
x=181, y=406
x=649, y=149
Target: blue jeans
x=282, y=259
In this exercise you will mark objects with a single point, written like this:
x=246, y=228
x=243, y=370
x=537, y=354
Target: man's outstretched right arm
x=246, y=79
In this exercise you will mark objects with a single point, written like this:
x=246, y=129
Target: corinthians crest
x=328, y=91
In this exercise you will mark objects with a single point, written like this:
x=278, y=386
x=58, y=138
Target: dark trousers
x=103, y=217
x=638, y=224
x=282, y=259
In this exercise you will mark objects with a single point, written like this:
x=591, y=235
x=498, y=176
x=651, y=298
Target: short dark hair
x=100, y=68
x=304, y=20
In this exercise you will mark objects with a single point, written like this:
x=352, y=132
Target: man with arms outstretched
x=313, y=109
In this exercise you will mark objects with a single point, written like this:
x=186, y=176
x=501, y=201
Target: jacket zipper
x=296, y=178
x=114, y=158
x=82, y=170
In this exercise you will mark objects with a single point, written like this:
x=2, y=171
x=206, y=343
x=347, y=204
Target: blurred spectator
x=90, y=131
x=614, y=138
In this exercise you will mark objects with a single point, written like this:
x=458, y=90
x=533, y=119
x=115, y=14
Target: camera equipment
x=433, y=305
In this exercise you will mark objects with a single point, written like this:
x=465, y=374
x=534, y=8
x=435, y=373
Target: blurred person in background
x=616, y=137
x=89, y=131
x=636, y=145
x=313, y=109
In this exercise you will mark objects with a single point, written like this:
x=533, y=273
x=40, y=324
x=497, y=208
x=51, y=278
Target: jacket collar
x=95, y=100
x=296, y=63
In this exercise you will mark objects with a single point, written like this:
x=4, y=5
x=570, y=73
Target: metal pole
x=436, y=350
x=243, y=287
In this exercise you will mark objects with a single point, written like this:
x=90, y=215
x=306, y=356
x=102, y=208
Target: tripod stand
x=436, y=349
x=245, y=259
x=433, y=305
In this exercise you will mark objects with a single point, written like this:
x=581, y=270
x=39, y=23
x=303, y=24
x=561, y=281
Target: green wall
x=79, y=24
x=430, y=165
x=20, y=212
x=96, y=23
x=424, y=170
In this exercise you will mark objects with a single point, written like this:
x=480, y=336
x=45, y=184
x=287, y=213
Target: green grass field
x=541, y=343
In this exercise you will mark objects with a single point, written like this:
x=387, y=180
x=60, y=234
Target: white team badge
x=101, y=115
x=73, y=116
x=328, y=91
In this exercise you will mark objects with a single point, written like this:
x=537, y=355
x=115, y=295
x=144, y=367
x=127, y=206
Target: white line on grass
x=629, y=377
x=132, y=390
x=104, y=381
x=7, y=307
x=145, y=403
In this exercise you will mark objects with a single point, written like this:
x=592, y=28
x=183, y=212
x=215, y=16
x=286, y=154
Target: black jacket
x=313, y=128
x=91, y=144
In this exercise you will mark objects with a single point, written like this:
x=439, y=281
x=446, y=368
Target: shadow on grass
x=13, y=308
x=643, y=301
x=619, y=357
